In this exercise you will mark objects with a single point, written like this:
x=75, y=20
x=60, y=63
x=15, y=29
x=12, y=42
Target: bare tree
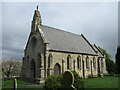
x=11, y=67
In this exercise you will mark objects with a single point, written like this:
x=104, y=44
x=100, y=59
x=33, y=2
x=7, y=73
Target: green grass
x=20, y=84
x=101, y=82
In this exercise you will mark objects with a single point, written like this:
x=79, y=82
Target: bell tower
x=37, y=21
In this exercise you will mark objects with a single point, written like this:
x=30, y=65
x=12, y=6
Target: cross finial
x=37, y=7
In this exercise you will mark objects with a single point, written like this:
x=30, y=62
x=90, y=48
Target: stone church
x=51, y=51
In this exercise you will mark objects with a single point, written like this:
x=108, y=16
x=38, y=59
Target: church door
x=57, y=69
x=32, y=69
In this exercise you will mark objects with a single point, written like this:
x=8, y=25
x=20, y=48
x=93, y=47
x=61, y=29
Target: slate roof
x=65, y=41
x=98, y=50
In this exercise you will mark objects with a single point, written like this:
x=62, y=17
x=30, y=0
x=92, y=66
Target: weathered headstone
x=68, y=80
x=15, y=84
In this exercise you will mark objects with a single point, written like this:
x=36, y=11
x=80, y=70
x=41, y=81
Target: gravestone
x=68, y=80
x=15, y=84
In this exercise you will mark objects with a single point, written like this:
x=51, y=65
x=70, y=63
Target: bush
x=54, y=82
x=111, y=74
x=78, y=83
x=117, y=75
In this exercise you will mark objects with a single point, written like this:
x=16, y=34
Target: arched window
x=63, y=65
x=33, y=43
x=101, y=63
x=68, y=61
x=50, y=61
x=102, y=66
x=39, y=63
x=94, y=62
x=39, y=60
x=87, y=62
x=79, y=62
x=57, y=69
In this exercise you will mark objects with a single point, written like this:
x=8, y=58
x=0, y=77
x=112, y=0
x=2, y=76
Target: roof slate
x=65, y=41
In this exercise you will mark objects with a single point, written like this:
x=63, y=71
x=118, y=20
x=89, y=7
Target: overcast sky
x=97, y=21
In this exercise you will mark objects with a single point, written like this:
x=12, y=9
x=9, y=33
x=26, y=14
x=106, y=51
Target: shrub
x=117, y=75
x=53, y=82
x=111, y=74
x=78, y=83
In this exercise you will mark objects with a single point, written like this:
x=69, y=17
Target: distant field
x=99, y=82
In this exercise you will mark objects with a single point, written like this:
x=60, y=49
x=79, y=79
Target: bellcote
x=37, y=21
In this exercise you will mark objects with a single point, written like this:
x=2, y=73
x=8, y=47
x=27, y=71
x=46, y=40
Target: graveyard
x=98, y=82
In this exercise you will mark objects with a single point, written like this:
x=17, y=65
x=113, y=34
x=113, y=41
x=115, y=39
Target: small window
x=50, y=61
x=39, y=60
x=78, y=62
x=102, y=63
x=34, y=41
x=94, y=62
x=68, y=61
x=87, y=62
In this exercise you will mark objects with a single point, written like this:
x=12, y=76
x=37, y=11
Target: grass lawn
x=99, y=82
x=102, y=82
x=8, y=84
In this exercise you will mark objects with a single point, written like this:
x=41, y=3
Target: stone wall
x=34, y=52
x=61, y=59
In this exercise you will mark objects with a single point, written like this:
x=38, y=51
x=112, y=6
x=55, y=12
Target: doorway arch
x=57, y=69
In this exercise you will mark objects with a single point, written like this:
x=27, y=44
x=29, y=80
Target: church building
x=51, y=51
